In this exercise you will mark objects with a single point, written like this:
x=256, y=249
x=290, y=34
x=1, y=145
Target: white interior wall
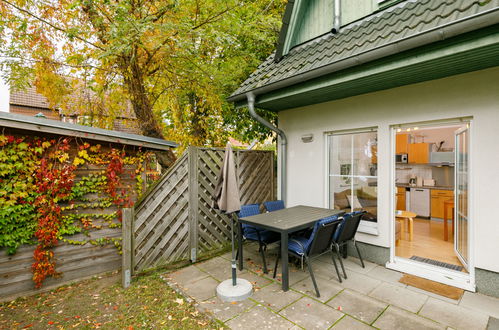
x=472, y=94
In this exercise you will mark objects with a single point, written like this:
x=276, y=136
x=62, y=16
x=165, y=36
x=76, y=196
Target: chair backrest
x=348, y=227
x=274, y=205
x=322, y=235
x=248, y=210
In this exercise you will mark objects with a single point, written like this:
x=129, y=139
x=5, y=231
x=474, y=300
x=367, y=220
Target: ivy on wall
x=41, y=197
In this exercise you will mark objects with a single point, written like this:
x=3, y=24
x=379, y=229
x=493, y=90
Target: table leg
x=446, y=230
x=411, y=229
x=284, y=259
x=402, y=229
x=240, y=245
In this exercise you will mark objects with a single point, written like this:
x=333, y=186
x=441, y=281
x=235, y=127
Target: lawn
x=101, y=302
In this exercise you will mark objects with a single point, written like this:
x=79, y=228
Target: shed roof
x=48, y=126
x=401, y=22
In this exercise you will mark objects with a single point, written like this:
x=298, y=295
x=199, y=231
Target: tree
x=175, y=61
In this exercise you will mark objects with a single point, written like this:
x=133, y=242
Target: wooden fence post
x=126, y=246
x=193, y=202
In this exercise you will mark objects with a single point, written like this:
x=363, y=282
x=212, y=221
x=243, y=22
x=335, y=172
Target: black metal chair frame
x=262, y=247
x=348, y=231
x=320, y=245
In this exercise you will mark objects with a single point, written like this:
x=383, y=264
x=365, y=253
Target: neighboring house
x=30, y=103
x=379, y=101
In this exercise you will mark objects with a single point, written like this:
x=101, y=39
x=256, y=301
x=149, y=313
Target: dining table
x=285, y=222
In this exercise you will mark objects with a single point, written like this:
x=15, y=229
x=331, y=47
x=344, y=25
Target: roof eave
x=56, y=127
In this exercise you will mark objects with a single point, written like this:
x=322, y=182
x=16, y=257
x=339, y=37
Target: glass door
x=461, y=203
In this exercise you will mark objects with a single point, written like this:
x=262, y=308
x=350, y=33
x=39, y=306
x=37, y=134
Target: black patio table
x=285, y=221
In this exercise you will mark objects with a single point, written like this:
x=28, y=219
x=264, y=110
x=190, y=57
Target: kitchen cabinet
x=400, y=198
x=438, y=197
x=419, y=153
x=401, y=143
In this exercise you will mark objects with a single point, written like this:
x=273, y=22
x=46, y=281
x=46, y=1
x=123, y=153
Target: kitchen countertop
x=406, y=185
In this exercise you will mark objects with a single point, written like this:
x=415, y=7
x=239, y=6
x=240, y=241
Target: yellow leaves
x=78, y=161
x=63, y=157
x=46, y=144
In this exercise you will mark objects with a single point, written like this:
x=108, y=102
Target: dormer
x=305, y=20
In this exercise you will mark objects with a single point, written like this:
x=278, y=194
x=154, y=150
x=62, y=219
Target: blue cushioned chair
x=272, y=206
x=252, y=233
x=315, y=245
x=346, y=231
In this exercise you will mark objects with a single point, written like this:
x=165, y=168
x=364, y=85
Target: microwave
x=401, y=158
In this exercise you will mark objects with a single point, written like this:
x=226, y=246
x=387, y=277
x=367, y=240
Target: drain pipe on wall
x=337, y=17
x=284, y=141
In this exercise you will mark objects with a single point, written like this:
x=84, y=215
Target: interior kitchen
x=425, y=188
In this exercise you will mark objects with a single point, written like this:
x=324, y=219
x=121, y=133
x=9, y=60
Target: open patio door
x=461, y=196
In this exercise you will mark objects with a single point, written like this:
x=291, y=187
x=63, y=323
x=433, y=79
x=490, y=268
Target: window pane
x=340, y=189
x=353, y=173
x=365, y=158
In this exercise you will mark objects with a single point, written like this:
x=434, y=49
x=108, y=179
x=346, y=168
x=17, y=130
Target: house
x=393, y=107
x=29, y=102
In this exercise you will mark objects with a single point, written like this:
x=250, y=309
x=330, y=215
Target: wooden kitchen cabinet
x=438, y=197
x=401, y=143
x=419, y=153
x=400, y=198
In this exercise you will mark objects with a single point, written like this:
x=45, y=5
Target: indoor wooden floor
x=428, y=242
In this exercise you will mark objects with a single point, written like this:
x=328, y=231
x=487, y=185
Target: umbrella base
x=229, y=293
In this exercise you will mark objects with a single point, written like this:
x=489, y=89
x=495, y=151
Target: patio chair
x=272, y=206
x=252, y=233
x=317, y=244
x=346, y=232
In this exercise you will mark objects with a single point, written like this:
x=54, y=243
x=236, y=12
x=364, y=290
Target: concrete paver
x=399, y=296
x=396, y=318
x=219, y=268
x=371, y=294
x=224, y=310
x=202, y=289
x=358, y=305
x=481, y=303
x=349, y=323
x=311, y=314
x=327, y=288
x=260, y=317
x=274, y=298
x=457, y=317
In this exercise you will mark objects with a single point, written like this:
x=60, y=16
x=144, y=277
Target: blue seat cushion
x=274, y=205
x=267, y=236
x=346, y=217
x=296, y=247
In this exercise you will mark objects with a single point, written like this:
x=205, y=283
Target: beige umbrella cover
x=227, y=188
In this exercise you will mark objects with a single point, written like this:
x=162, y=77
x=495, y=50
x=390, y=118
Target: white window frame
x=366, y=227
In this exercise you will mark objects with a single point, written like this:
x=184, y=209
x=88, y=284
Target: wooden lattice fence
x=176, y=221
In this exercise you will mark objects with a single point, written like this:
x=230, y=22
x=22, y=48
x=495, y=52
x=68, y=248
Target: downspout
x=337, y=17
x=284, y=141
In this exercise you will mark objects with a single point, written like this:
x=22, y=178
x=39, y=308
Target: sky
x=4, y=96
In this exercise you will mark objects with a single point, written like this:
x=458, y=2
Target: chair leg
x=337, y=248
x=262, y=253
x=307, y=260
x=276, y=263
x=358, y=252
x=336, y=266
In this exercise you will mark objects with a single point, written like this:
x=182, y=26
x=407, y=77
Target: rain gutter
x=446, y=31
x=283, y=139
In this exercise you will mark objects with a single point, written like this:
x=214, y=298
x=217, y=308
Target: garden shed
x=62, y=188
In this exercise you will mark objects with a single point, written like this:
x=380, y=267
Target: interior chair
x=346, y=232
x=274, y=205
x=317, y=244
x=252, y=233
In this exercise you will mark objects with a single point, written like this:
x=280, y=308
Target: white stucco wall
x=473, y=94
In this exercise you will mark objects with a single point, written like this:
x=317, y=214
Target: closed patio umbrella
x=227, y=199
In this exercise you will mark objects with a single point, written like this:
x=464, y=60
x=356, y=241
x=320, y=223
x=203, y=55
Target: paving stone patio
x=370, y=298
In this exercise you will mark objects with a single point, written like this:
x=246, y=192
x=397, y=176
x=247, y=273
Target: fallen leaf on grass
x=179, y=301
x=185, y=318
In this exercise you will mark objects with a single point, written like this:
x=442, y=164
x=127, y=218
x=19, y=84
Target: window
x=353, y=167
